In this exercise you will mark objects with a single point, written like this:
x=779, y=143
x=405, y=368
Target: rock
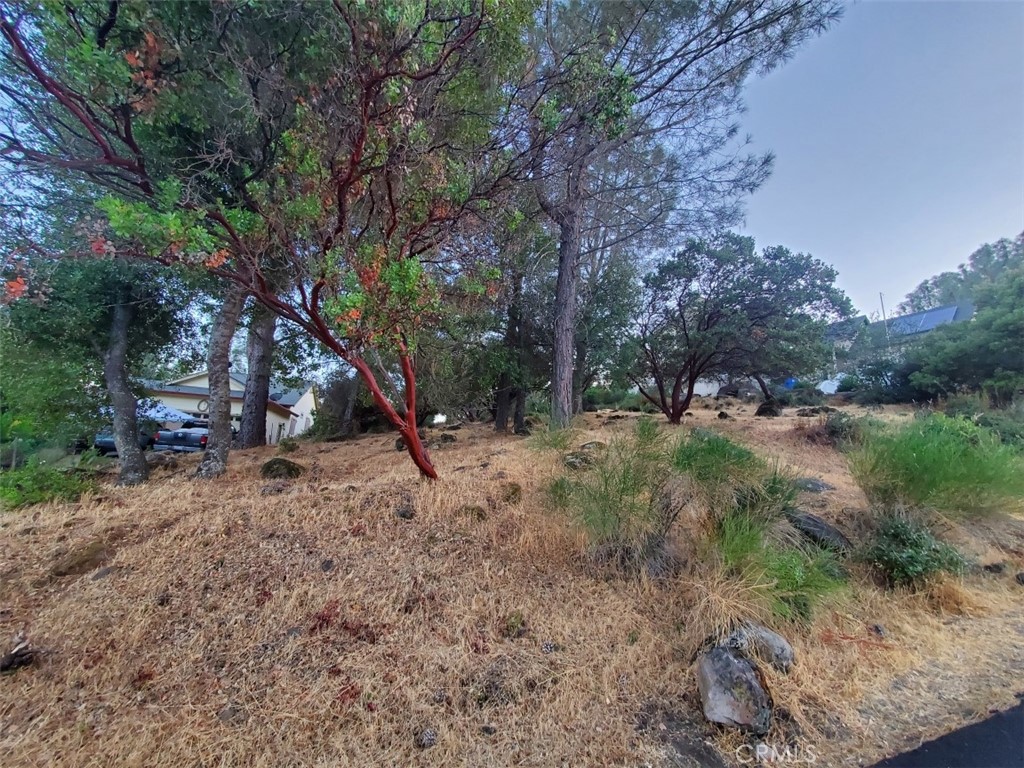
x=21, y=654
x=327, y=565
x=440, y=696
x=768, y=645
x=593, y=445
x=1020, y=578
x=232, y=713
x=441, y=440
x=879, y=630
x=279, y=468
x=812, y=485
x=511, y=493
x=426, y=738
x=488, y=730
x=277, y=486
x=405, y=512
x=82, y=560
x=454, y=427
x=769, y=408
x=102, y=573
x=400, y=442
x=819, y=532
x=815, y=410
x=994, y=567
x=161, y=459
x=731, y=691
x=473, y=511
x=723, y=415
x=578, y=460
x=548, y=647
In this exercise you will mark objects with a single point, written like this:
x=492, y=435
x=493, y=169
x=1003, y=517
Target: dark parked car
x=104, y=440
x=188, y=438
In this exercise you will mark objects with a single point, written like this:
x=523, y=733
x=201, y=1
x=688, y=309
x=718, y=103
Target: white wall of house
x=305, y=411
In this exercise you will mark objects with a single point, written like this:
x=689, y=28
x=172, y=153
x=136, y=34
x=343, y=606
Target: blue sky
x=899, y=142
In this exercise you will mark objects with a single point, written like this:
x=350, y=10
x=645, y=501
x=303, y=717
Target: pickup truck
x=103, y=442
x=188, y=438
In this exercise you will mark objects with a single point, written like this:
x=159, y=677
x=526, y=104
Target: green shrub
x=544, y=439
x=844, y=430
x=1008, y=423
x=34, y=484
x=906, y=552
x=803, y=394
x=849, y=383
x=287, y=445
x=790, y=580
x=770, y=496
x=616, y=498
x=947, y=464
x=715, y=463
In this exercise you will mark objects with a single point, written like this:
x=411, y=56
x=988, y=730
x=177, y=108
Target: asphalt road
x=997, y=742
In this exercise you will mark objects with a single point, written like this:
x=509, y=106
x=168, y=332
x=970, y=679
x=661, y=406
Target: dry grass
x=314, y=626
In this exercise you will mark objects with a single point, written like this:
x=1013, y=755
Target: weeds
x=552, y=439
x=714, y=462
x=791, y=581
x=947, y=464
x=906, y=552
x=34, y=484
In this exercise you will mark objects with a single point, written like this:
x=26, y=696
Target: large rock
x=278, y=468
x=769, y=408
x=812, y=485
x=763, y=643
x=732, y=692
x=818, y=531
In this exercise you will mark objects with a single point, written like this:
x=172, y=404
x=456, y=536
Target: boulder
x=816, y=530
x=769, y=408
x=578, y=459
x=441, y=440
x=279, y=468
x=723, y=415
x=812, y=485
x=1020, y=578
x=732, y=692
x=816, y=410
x=764, y=643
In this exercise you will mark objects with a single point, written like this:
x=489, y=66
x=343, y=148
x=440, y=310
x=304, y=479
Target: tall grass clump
x=715, y=463
x=947, y=464
x=789, y=580
x=906, y=552
x=616, y=499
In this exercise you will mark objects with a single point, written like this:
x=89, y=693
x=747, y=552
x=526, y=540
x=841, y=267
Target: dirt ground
x=338, y=618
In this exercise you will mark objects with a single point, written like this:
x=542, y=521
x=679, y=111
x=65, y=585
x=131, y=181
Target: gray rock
x=723, y=415
x=426, y=738
x=816, y=530
x=812, y=485
x=769, y=408
x=103, y=572
x=994, y=567
x=279, y=468
x=578, y=460
x=731, y=691
x=764, y=643
x=1020, y=578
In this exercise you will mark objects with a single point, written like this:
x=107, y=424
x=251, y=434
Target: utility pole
x=885, y=323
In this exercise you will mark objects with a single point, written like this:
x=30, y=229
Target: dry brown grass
x=314, y=626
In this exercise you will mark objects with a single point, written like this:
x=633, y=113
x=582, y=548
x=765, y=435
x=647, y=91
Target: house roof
x=845, y=330
x=170, y=388
x=930, y=319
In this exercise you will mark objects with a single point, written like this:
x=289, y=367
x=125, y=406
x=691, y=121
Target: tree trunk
x=350, y=408
x=565, y=315
x=215, y=459
x=519, y=420
x=764, y=386
x=134, y=469
x=259, y=353
x=503, y=402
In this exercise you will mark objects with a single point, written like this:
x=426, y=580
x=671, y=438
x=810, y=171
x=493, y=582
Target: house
x=290, y=412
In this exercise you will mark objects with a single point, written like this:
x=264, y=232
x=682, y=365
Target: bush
x=803, y=394
x=790, y=580
x=616, y=499
x=715, y=463
x=843, y=429
x=770, y=497
x=849, y=383
x=947, y=464
x=35, y=484
x=1008, y=423
x=287, y=445
x=906, y=552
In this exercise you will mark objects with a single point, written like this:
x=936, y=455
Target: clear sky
x=899, y=142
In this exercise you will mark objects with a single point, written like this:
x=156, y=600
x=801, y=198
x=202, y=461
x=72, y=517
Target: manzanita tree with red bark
x=329, y=159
